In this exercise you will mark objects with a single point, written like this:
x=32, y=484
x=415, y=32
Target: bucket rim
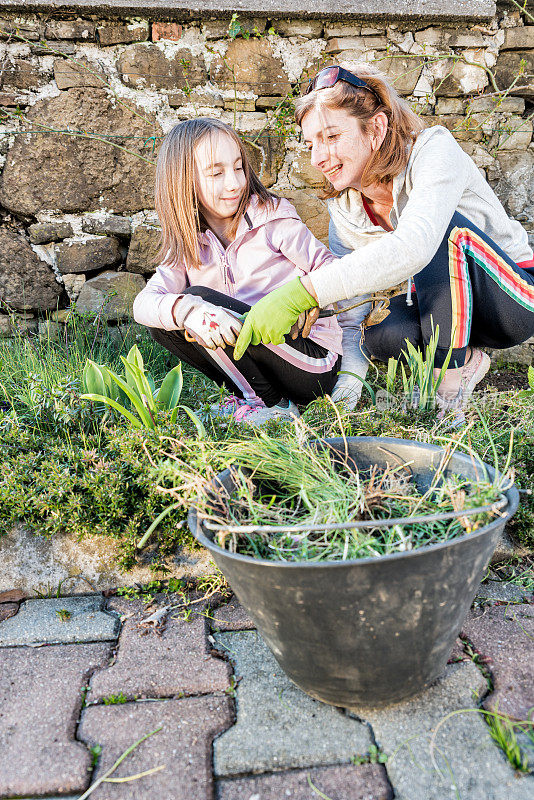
x=512, y=495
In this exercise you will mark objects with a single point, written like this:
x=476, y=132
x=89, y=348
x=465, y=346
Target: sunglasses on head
x=329, y=76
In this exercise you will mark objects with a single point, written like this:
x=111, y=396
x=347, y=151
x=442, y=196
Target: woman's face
x=338, y=147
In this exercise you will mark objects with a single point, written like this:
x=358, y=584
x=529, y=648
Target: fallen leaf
x=12, y=596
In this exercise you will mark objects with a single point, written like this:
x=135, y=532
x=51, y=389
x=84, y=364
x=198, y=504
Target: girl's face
x=338, y=147
x=220, y=179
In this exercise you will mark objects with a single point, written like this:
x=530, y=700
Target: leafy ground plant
x=293, y=502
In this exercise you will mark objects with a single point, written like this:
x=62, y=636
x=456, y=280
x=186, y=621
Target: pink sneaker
x=260, y=414
x=474, y=371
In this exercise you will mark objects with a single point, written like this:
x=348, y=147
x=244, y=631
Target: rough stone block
x=301, y=172
x=340, y=44
x=143, y=250
x=69, y=74
x=171, y=31
x=265, y=103
x=182, y=746
x=506, y=105
x=505, y=636
x=462, y=128
x=204, y=100
x=444, y=38
x=11, y=100
x=21, y=73
x=402, y=72
x=255, y=68
x=43, y=621
x=53, y=48
x=30, y=29
x=218, y=28
x=70, y=29
x=73, y=284
x=268, y=159
x=333, y=30
x=278, y=726
x=76, y=174
x=122, y=34
x=110, y=226
x=515, y=133
x=177, y=661
x=508, y=68
x=146, y=65
x=111, y=294
x=25, y=281
x=309, y=28
x=311, y=210
x=364, y=782
x=467, y=762
x=512, y=179
x=458, y=78
x=88, y=255
x=239, y=104
x=519, y=38
x=231, y=617
x=449, y=105
x=40, y=698
x=43, y=232
x=16, y=324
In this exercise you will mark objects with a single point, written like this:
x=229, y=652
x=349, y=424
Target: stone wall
x=86, y=99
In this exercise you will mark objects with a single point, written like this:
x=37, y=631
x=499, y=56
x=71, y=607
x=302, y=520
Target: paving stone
x=364, y=782
x=152, y=665
x=505, y=635
x=502, y=591
x=279, y=726
x=40, y=699
x=231, y=617
x=183, y=746
x=38, y=622
x=468, y=764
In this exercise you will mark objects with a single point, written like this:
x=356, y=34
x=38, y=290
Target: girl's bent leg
x=299, y=370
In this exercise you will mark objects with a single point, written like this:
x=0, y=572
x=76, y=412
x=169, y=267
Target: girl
x=407, y=202
x=226, y=242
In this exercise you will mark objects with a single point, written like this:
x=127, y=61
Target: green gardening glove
x=272, y=317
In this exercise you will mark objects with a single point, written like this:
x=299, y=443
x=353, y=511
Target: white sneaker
x=232, y=405
x=259, y=415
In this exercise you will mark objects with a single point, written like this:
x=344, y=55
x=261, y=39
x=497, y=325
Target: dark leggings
x=475, y=293
x=299, y=370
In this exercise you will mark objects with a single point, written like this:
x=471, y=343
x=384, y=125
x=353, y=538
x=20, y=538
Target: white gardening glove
x=212, y=326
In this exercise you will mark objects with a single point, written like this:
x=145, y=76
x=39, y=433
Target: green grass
x=63, y=470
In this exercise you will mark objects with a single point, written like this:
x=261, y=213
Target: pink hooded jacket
x=272, y=246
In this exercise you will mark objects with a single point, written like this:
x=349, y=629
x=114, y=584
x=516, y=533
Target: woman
x=407, y=203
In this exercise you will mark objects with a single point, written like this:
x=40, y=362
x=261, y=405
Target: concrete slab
x=59, y=620
x=36, y=563
x=278, y=726
x=468, y=764
x=160, y=664
x=363, y=782
x=40, y=699
x=231, y=617
x=505, y=636
x=169, y=9
x=183, y=746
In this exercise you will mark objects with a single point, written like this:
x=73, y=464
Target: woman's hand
x=271, y=318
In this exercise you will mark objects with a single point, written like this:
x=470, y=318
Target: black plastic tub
x=371, y=631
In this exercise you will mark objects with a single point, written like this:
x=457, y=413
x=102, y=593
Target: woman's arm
x=438, y=175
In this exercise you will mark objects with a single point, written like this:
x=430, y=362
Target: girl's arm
x=156, y=306
x=438, y=173
x=296, y=242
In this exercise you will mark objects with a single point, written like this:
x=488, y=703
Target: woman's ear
x=379, y=129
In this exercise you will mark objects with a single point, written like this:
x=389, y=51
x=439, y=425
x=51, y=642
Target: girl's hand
x=271, y=318
x=212, y=326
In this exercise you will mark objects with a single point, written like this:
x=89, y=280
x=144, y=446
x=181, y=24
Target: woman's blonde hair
x=176, y=195
x=391, y=158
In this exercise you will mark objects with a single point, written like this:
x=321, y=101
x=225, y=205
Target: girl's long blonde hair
x=391, y=158
x=176, y=196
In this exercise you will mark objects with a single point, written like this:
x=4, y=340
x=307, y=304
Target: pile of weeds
x=313, y=493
